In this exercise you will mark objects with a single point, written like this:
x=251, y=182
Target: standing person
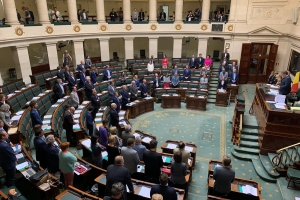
x=234, y=77
x=74, y=98
x=223, y=176
x=285, y=85
x=72, y=81
x=114, y=117
x=111, y=90
x=184, y=153
x=112, y=150
x=135, y=15
x=166, y=191
x=192, y=62
x=144, y=88
x=34, y=114
x=90, y=121
x=203, y=82
x=118, y=173
x=126, y=134
x=68, y=124
x=88, y=62
x=66, y=74
x=5, y=116
x=156, y=82
x=95, y=102
x=208, y=62
x=79, y=18
x=167, y=81
x=96, y=152
x=2, y=99
x=271, y=78
x=122, y=78
x=40, y=145
x=67, y=59
x=107, y=73
x=125, y=97
x=150, y=67
x=7, y=159
x=153, y=163
x=84, y=16
x=117, y=102
x=137, y=81
x=81, y=66
x=187, y=74
x=120, y=14
x=175, y=81
x=116, y=192
x=225, y=55
x=165, y=62
x=141, y=15
x=28, y=17
x=178, y=171
x=162, y=15
x=93, y=74
x=133, y=90
x=130, y=156
x=139, y=147
x=58, y=89
x=113, y=15
x=199, y=62
x=59, y=74
x=103, y=134
x=67, y=163
x=89, y=87
x=82, y=78
x=52, y=156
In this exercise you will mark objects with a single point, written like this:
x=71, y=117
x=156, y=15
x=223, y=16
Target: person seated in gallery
x=150, y=67
x=203, y=82
x=175, y=81
x=278, y=80
x=222, y=84
x=223, y=176
x=293, y=97
x=187, y=74
x=223, y=73
x=272, y=78
x=234, y=77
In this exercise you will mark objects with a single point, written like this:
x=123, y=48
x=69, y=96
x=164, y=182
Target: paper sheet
x=248, y=189
x=188, y=148
x=20, y=155
x=76, y=126
x=76, y=116
x=122, y=112
x=85, y=102
x=86, y=143
x=171, y=146
x=78, y=111
x=60, y=100
x=136, y=134
x=12, y=130
x=47, y=116
x=54, y=105
x=279, y=106
x=201, y=97
x=145, y=191
x=16, y=118
x=46, y=121
x=20, y=112
x=22, y=165
x=146, y=139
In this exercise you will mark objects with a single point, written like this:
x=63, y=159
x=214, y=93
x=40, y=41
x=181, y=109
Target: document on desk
x=122, y=112
x=22, y=165
x=248, y=189
x=145, y=191
x=47, y=116
x=76, y=116
x=136, y=134
x=16, y=118
x=86, y=143
x=46, y=121
x=280, y=106
x=20, y=112
x=171, y=146
x=54, y=105
x=12, y=130
x=78, y=111
x=188, y=148
x=60, y=100
x=76, y=127
x=146, y=139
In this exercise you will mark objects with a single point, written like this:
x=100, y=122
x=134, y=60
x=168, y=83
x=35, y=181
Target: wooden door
x=272, y=58
x=244, y=63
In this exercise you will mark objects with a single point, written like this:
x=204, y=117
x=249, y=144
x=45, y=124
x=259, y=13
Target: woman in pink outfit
x=208, y=62
x=165, y=62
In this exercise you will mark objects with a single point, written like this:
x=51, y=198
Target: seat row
x=11, y=87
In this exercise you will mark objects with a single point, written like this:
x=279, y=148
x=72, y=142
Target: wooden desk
x=234, y=89
x=145, y=137
x=73, y=193
x=171, y=101
x=3, y=196
x=222, y=99
x=195, y=102
x=139, y=107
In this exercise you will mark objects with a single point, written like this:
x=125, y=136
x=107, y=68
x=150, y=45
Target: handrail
x=278, y=151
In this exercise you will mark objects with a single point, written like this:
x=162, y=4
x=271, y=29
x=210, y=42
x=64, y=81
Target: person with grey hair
x=52, y=155
x=130, y=156
x=139, y=147
x=203, y=82
x=58, y=89
x=114, y=117
x=89, y=87
x=133, y=91
x=116, y=191
x=5, y=116
x=126, y=135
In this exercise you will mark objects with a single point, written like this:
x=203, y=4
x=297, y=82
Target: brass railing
x=286, y=156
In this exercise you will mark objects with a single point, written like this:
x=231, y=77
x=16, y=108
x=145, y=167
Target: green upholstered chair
x=36, y=90
x=28, y=95
x=11, y=88
x=40, y=79
x=183, y=84
x=19, y=84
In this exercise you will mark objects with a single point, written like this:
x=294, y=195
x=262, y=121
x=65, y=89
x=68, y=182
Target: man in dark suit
x=107, y=73
x=7, y=159
x=153, y=163
x=225, y=55
x=144, y=88
x=90, y=121
x=93, y=75
x=141, y=15
x=68, y=124
x=34, y=114
x=40, y=145
x=81, y=66
x=186, y=74
x=156, y=82
x=199, y=62
x=113, y=15
x=223, y=176
x=162, y=15
x=114, y=117
x=88, y=87
x=58, y=89
x=118, y=173
x=166, y=191
x=72, y=81
x=285, y=85
x=67, y=73
x=95, y=102
x=82, y=78
x=126, y=134
x=117, y=102
x=192, y=62
x=152, y=59
x=59, y=74
x=234, y=77
x=133, y=90
x=125, y=97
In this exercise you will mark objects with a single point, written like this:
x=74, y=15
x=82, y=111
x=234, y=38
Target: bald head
x=119, y=160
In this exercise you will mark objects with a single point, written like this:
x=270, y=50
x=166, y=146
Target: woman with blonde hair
x=113, y=132
x=278, y=79
x=5, y=116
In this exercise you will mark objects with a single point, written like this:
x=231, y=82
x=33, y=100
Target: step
x=211, y=100
x=211, y=92
x=249, y=121
x=241, y=156
x=261, y=172
x=213, y=84
x=211, y=96
x=246, y=150
x=249, y=144
x=271, y=156
x=267, y=163
x=253, y=138
x=213, y=79
x=249, y=131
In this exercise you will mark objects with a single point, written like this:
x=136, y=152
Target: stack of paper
x=188, y=148
x=122, y=112
x=47, y=116
x=171, y=146
x=146, y=139
x=76, y=116
x=136, y=134
x=20, y=112
x=86, y=143
x=145, y=192
x=248, y=189
x=78, y=111
x=280, y=98
x=280, y=105
x=16, y=118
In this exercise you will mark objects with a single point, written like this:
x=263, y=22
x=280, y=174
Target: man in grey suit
x=126, y=134
x=133, y=90
x=74, y=97
x=131, y=158
x=111, y=90
x=223, y=176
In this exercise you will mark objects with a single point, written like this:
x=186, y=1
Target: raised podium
x=222, y=98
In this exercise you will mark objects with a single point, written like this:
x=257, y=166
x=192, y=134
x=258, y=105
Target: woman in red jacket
x=165, y=62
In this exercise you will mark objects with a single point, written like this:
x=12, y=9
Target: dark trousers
x=94, y=112
x=69, y=134
x=10, y=176
x=174, y=86
x=91, y=130
x=218, y=194
x=132, y=97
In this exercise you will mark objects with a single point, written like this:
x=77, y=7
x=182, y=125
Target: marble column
x=202, y=47
x=9, y=7
x=152, y=11
x=177, y=47
x=153, y=45
x=104, y=49
x=42, y=11
x=100, y=11
x=233, y=6
x=205, y=11
x=1, y=80
x=22, y=62
x=52, y=54
x=129, y=50
x=127, y=11
x=178, y=11
x=72, y=11
x=78, y=52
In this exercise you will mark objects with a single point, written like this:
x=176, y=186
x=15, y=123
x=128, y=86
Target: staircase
x=213, y=85
x=249, y=150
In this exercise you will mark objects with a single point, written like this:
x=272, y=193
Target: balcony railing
x=286, y=157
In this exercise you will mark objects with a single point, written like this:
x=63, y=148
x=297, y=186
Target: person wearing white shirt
x=56, y=16
x=150, y=67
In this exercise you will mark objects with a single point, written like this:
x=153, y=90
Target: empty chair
x=19, y=84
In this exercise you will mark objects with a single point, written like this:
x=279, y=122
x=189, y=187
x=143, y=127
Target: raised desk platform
x=196, y=102
x=171, y=101
x=222, y=99
x=140, y=107
x=232, y=90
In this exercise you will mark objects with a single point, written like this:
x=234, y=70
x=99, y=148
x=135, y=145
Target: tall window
x=294, y=65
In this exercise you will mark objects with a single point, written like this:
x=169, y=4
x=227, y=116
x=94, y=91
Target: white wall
x=190, y=48
x=165, y=45
x=215, y=45
x=139, y=44
x=117, y=45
